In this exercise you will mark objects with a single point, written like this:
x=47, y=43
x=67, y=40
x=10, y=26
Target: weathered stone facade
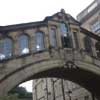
x=90, y=17
x=59, y=89
x=87, y=19
x=68, y=57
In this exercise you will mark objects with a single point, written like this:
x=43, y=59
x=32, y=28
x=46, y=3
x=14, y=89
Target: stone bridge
x=71, y=61
x=62, y=63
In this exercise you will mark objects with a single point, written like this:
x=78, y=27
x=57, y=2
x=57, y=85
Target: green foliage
x=17, y=94
x=22, y=92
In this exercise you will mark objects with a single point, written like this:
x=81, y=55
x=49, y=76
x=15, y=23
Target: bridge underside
x=87, y=79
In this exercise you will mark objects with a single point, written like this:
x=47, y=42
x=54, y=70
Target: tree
x=21, y=92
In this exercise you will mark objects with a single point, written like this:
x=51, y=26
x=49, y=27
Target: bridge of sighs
x=54, y=47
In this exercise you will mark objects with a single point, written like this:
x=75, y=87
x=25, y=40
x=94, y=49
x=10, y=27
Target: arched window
x=23, y=44
x=97, y=45
x=52, y=35
x=39, y=41
x=63, y=29
x=64, y=36
x=88, y=45
x=5, y=48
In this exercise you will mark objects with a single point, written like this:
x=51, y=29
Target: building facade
x=90, y=17
x=23, y=44
x=59, y=89
x=90, y=20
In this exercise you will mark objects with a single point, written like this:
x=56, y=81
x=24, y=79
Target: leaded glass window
x=5, y=48
x=88, y=45
x=23, y=44
x=64, y=36
x=63, y=29
x=52, y=35
x=39, y=41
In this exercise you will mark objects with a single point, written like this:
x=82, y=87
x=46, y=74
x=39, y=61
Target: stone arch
x=55, y=68
x=23, y=33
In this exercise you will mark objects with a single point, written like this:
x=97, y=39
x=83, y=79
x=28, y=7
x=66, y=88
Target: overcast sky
x=23, y=11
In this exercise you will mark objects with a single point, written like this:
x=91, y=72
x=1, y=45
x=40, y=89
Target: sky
x=23, y=11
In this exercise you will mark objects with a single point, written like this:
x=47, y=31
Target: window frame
x=65, y=38
x=43, y=43
x=97, y=49
x=20, y=49
x=7, y=53
x=54, y=28
x=88, y=47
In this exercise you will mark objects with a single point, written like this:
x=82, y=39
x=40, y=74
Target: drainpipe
x=63, y=92
x=53, y=89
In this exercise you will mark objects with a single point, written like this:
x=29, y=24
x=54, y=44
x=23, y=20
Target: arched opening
x=52, y=35
x=39, y=41
x=49, y=87
x=23, y=44
x=65, y=39
x=83, y=77
x=6, y=48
